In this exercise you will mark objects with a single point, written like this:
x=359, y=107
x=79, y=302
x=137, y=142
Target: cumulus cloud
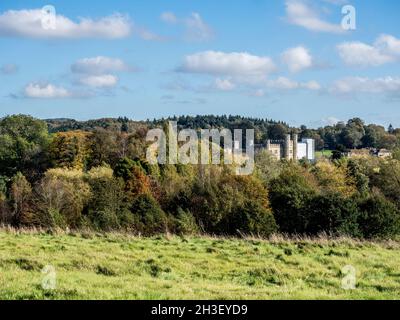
x=9, y=68
x=99, y=65
x=100, y=81
x=388, y=44
x=45, y=91
x=297, y=59
x=300, y=14
x=350, y=85
x=28, y=24
x=244, y=72
x=99, y=72
x=384, y=50
x=362, y=55
x=240, y=64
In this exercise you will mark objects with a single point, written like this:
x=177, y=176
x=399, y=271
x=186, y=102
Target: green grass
x=122, y=267
x=325, y=153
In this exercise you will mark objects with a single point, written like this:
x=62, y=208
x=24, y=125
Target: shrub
x=379, y=217
x=21, y=198
x=289, y=194
x=70, y=149
x=107, y=200
x=5, y=212
x=149, y=218
x=333, y=214
x=61, y=198
x=387, y=179
x=358, y=172
x=185, y=223
x=217, y=195
x=334, y=178
x=251, y=218
x=136, y=181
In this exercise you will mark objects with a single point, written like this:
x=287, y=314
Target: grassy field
x=122, y=267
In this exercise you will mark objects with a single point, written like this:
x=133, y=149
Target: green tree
x=386, y=177
x=333, y=214
x=149, y=218
x=277, y=132
x=23, y=144
x=379, y=218
x=251, y=219
x=70, y=150
x=60, y=198
x=21, y=197
x=107, y=207
x=289, y=194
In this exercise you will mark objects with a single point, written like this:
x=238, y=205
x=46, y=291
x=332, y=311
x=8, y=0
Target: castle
x=292, y=149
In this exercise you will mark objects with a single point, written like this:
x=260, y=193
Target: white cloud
x=148, y=35
x=9, y=69
x=283, y=83
x=28, y=23
x=45, y=91
x=197, y=29
x=224, y=84
x=100, y=81
x=297, y=59
x=244, y=72
x=352, y=85
x=169, y=17
x=362, y=55
x=388, y=44
x=311, y=85
x=330, y=121
x=385, y=49
x=220, y=63
x=300, y=14
x=99, y=65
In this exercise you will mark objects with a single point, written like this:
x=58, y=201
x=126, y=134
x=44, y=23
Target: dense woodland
x=68, y=174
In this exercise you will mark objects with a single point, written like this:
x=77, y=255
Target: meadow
x=118, y=266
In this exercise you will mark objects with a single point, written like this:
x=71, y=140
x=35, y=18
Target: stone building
x=292, y=149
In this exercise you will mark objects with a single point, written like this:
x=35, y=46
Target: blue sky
x=286, y=60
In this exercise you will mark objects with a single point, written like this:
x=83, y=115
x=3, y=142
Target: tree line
x=341, y=136
x=94, y=175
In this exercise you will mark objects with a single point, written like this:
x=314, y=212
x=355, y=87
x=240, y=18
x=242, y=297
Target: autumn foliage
x=98, y=178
